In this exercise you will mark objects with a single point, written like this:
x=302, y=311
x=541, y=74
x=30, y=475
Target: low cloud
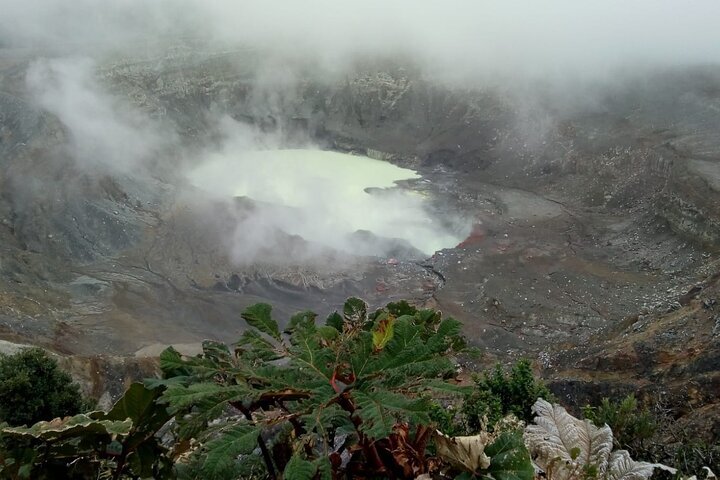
x=103, y=129
x=485, y=38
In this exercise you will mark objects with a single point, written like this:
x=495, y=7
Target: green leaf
x=380, y=410
x=429, y=317
x=335, y=320
x=25, y=471
x=299, y=469
x=401, y=308
x=172, y=364
x=444, y=336
x=383, y=331
x=137, y=404
x=258, y=316
x=223, y=451
x=361, y=357
x=181, y=397
x=410, y=373
x=257, y=346
x=327, y=333
x=355, y=311
x=509, y=458
x=141, y=461
x=192, y=426
x=140, y=404
x=324, y=468
x=405, y=347
x=81, y=424
x=441, y=386
x=324, y=419
x=216, y=350
x=307, y=352
x=301, y=319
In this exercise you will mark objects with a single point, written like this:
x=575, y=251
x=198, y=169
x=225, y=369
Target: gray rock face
x=19, y=122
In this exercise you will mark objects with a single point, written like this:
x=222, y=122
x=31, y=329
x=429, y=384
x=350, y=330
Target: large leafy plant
x=349, y=396
x=121, y=443
x=567, y=448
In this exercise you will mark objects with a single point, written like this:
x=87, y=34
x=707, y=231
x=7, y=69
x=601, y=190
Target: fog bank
x=552, y=38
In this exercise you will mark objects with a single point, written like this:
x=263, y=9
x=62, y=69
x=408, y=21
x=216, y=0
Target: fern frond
x=361, y=356
x=440, y=340
x=173, y=364
x=193, y=425
x=253, y=346
x=380, y=410
x=260, y=317
x=180, y=397
x=307, y=353
x=404, y=347
x=443, y=388
x=301, y=319
x=415, y=372
x=223, y=451
x=299, y=469
x=324, y=421
x=219, y=352
x=355, y=312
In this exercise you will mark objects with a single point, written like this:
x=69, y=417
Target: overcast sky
x=508, y=36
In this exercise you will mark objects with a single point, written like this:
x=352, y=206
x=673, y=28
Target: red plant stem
x=261, y=443
x=367, y=445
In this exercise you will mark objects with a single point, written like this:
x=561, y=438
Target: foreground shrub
x=695, y=457
x=33, y=388
x=497, y=394
x=359, y=396
x=119, y=444
x=347, y=399
x=567, y=448
x=633, y=426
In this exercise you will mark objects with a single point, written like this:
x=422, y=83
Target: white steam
x=103, y=130
x=322, y=197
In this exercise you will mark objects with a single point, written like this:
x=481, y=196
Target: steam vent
x=546, y=173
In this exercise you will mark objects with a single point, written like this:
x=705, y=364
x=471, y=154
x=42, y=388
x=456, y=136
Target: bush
x=691, y=456
x=497, y=394
x=33, y=388
x=633, y=426
x=654, y=436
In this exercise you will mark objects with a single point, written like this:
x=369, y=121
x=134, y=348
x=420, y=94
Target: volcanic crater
x=585, y=238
